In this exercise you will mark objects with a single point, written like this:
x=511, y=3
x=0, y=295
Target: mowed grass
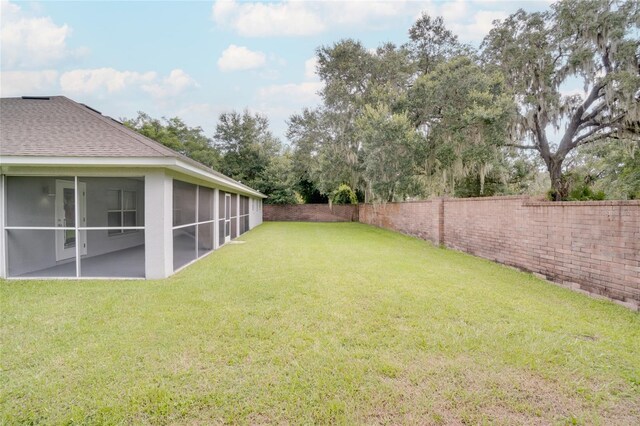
x=318, y=323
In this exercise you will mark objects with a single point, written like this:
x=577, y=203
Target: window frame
x=116, y=231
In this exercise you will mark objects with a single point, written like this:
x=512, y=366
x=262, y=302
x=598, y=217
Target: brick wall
x=589, y=246
x=417, y=218
x=310, y=213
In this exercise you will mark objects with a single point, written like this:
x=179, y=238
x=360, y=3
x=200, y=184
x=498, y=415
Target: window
x=121, y=210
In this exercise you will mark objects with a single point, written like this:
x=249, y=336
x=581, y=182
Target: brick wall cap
x=431, y=200
x=621, y=203
x=498, y=198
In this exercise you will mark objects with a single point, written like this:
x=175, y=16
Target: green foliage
x=585, y=193
x=344, y=195
x=465, y=113
x=275, y=181
x=612, y=169
x=540, y=53
x=247, y=146
x=243, y=149
x=327, y=141
x=309, y=193
x=431, y=43
x=175, y=134
x=389, y=143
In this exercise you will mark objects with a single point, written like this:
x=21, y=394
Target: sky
x=197, y=59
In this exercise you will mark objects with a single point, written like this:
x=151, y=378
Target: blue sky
x=197, y=59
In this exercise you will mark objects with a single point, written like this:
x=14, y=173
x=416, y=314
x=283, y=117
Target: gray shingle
x=59, y=127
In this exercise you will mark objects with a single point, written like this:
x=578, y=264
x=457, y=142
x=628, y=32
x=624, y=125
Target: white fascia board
x=86, y=161
x=169, y=162
x=189, y=169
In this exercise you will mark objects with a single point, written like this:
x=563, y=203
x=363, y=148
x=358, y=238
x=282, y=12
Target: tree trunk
x=559, y=188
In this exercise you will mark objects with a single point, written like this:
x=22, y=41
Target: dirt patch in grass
x=459, y=391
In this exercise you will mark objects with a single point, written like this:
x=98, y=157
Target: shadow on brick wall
x=310, y=213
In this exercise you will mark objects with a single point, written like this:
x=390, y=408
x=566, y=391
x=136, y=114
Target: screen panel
x=205, y=204
x=184, y=203
x=184, y=246
x=205, y=238
x=39, y=253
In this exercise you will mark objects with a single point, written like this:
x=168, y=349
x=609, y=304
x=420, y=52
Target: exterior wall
x=3, y=251
x=588, y=246
x=158, y=224
x=255, y=212
x=311, y=213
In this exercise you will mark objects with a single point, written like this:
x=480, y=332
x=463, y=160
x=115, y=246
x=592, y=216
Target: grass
x=318, y=323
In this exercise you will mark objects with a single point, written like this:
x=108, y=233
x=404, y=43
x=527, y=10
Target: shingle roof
x=56, y=126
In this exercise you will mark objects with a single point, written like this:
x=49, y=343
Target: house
x=81, y=195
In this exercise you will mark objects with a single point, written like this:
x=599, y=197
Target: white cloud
x=204, y=115
x=470, y=21
x=108, y=80
x=30, y=41
x=299, y=93
x=302, y=18
x=236, y=58
x=280, y=101
x=268, y=19
x=177, y=82
x=28, y=83
x=364, y=12
x=451, y=11
x=90, y=81
x=310, y=66
x=478, y=26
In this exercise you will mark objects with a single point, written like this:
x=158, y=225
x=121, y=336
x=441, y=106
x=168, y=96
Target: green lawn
x=318, y=323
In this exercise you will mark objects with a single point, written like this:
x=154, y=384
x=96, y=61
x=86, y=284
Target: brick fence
x=588, y=246
x=310, y=213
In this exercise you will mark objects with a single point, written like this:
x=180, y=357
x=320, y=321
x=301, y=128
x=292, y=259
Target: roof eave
x=171, y=163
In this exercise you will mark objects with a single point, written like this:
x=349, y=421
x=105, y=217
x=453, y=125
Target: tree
x=613, y=169
x=463, y=111
x=328, y=139
x=246, y=144
x=541, y=53
x=305, y=133
x=175, y=134
x=275, y=181
x=389, y=143
x=432, y=43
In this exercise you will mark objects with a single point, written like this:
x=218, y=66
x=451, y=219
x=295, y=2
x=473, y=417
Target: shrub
x=344, y=195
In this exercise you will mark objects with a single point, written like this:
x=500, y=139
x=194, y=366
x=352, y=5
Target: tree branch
x=512, y=145
x=543, y=144
x=567, y=143
x=584, y=139
x=593, y=114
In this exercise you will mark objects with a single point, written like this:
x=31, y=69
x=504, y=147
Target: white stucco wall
x=158, y=224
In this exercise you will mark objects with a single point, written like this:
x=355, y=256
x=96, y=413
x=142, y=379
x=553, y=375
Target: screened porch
x=74, y=226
